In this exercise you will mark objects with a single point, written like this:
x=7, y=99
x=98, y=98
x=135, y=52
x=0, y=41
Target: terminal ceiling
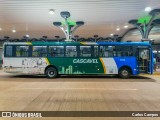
x=101, y=17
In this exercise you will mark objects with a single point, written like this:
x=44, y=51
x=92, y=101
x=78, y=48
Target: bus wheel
x=124, y=73
x=51, y=72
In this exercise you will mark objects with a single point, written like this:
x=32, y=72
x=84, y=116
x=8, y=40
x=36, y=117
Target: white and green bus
x=59, y=58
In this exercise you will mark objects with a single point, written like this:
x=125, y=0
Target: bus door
x=144, y=60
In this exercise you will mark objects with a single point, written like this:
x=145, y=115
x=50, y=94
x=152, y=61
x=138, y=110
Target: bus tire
x=124, y=73
x=51, y=72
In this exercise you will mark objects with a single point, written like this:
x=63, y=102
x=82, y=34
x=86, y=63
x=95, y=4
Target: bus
x=69, y=58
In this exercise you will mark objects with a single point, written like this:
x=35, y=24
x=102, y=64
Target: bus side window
x=56, y=51
x=107, y=51
x=101, y=52
x=123, y=51
x=95, y=51
x=9, y=51
x=39, y=51
x=51, y=51
x=71, y=51
x=22, y=51
x=85, y=51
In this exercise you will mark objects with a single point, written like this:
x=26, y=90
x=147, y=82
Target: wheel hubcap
x=124, y=72
x=51, y=73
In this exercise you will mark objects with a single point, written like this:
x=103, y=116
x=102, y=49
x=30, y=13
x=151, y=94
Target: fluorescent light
x=126, y=26
x=51, y=11
x=118, y=29
x=27, y=36
x=111, y=34
x=147, y=9
x=13, y=31
x=154, y=51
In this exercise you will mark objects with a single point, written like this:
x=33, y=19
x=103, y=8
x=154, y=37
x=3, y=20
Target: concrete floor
x=79, y=93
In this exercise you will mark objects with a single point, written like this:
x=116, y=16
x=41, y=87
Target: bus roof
x=80, y=43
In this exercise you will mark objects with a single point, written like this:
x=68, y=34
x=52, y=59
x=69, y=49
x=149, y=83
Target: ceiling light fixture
x=148, y=9
x=126, y=26
x=13, y=31
x=0, y=29
x=118, y=29
x=111, y=34
x=51, y=11
x=154, y=51
x=27, y=36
